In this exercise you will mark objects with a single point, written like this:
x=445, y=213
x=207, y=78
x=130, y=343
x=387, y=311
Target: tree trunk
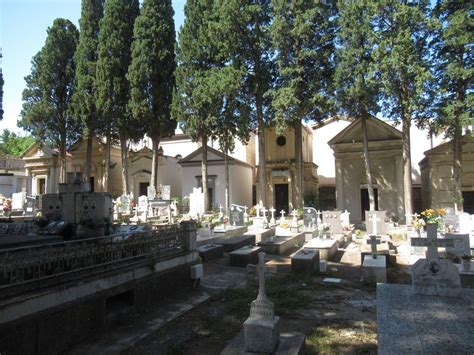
x=88, y=163
x=155, y=139
x=62, y=163
x=298, y=197
x=125, y=164
x=204, y=173
x=227, y=181
x=406, y=156
x=370, y=186
x=457, y=167
x=107, y=161
x=262, y=165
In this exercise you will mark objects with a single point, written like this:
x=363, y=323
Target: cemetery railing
x=60, y=262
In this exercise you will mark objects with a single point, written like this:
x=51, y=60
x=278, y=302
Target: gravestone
x=165, y=192
x=236, y=215
x=151, y=192
x=123, y=206
x=375, y=222
x=18, y=201
x=51, y=206
x=373, y=241
x=196, y=202
x=333, y=220
x=272, y=218
x=461, y=244
x=262, y=328
x=345, y=219
x=433, y=276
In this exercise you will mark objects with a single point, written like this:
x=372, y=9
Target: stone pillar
x=190, y=232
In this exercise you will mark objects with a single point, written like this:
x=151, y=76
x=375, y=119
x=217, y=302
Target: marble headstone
x=310, y=217
x=236, y=215
x=379, y=227
x=333, y=219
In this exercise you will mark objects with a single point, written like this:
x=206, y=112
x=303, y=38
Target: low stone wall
x=51, y=322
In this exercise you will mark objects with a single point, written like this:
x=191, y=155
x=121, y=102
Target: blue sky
x=23, y=25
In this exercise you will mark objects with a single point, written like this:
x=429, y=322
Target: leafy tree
x=303, y=34
x=402, y=29
x=198, y=102
x=1, y=88
x=84, y=106
x=454, y=74
x=14, y=144
x=151, y=73
x=356, y=82
x=248, y=46
x=49, y=89
x=113, y=88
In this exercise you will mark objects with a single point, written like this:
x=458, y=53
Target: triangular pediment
x=377, y=131
x=196, y=156
x=39, y=151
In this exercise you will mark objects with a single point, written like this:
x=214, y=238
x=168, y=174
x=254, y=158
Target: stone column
x=190, y=232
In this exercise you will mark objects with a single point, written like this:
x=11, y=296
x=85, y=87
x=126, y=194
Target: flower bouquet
x=433, y=216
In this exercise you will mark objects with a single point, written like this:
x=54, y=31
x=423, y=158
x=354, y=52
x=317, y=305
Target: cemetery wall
x=56, y=329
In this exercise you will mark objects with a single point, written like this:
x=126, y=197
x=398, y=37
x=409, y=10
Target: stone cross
x=282, y=214
x=375, y=219
x=373, y=245
x=272, y=211
x=319, y=213
x=294, y=213
x=264, y=211
x=257, y=207
x=432, y=242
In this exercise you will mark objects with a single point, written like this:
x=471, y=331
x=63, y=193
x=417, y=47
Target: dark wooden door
x=364, y=201
x=281, y=197
x=468, y=203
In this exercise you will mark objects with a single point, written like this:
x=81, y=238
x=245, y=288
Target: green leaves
x=50, y=87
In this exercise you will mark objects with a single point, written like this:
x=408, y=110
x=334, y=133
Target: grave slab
x=305, y=260
x=420, y=324
x=210, y=252
x=260, y=233
x=289, y=344
x=282, y=245
x=234, y=243
x=244, y=256
x=327, y=247
x=230, y=231
x=374, y=269
x=466, y=276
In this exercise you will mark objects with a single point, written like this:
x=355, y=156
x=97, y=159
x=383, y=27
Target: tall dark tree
x=303, y=35
x=84, y=106
x=356, y=82
x=198, y=102
x=14, y=144
x=49, y=90
x=454, y=73
x=152, y=73
x=401, y=57
x=113, y=88
x=249, y=47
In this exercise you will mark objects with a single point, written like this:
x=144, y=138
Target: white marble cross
x=261, y=269
x=264, y=211
x=257, y=208
x=220, y=211
x=282, y=214
x=319, y=213
x=294, y=213
x=272, y=211
x=375, y=219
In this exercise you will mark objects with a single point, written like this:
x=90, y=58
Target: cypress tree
x=113, y=88
x=454, y=75
x=1, y=87
x=401, y=54
x=197, y=102
x=303, y=34
x=49, y=90
x=84, y=106
x=355, y=80
x=151, y=73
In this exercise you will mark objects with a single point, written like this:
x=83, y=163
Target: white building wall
x=241, y=185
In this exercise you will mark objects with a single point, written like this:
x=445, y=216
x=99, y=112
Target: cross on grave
x=319, y=213
x=373, y=245
x=282, y=212
x=432, y=242
x=272, y=211
x=257, y=208
x=294, y=213
x=264, y=211
x=220, y=211
x=375, y=219
x=260, y=269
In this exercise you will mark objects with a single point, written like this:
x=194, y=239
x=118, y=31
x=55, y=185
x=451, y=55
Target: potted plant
x=418, y=224
x=436, y=217
x=466, y=262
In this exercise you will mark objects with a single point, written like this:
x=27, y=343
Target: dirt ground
x=336, y=318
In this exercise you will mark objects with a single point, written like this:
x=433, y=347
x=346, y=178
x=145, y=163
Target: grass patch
x=327, y=340
x=285, y=291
